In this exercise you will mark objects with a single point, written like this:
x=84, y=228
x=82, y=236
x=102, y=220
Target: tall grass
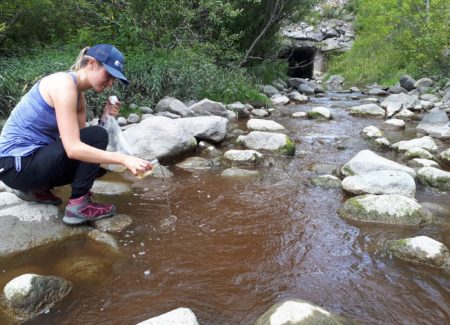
x=186, y=74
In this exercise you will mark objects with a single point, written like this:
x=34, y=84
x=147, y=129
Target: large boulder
x=159, y=137
x=174, y=106
x=422, y=250
x=396, y=102
x=387, y=209
x=407, y=82
x=179, y=316
x=208, y=128
x=367, y=161
x=277, y=142
x=209, y=107
x=436, y=124
x=381, y=182
x=30, y=294
x=299, y=312
x=368, y=110
x=425, y=142
x=26, y=225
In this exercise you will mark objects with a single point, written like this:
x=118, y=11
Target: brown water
x=233, y=248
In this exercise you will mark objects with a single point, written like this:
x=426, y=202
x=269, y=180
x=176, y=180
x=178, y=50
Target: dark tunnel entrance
x=301, y=61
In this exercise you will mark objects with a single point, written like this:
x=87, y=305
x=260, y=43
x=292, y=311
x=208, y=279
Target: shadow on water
x=229, y=249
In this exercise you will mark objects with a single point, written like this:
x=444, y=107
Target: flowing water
x=229, y=249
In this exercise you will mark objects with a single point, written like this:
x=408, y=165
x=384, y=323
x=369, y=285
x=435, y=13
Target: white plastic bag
x=116, y=142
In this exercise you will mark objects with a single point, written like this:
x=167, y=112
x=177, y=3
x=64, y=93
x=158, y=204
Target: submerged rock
x=421, y=249
x=30, y=294
x=195, y=163
x=387, y=209
x=110, y=188
x=180, y=316
x=327, y=181
x=369, y=110
x=299, y=312
x=239, y=172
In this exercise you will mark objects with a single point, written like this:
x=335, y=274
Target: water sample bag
x=116, y=142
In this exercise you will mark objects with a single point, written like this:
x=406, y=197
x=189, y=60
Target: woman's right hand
x=136, y=165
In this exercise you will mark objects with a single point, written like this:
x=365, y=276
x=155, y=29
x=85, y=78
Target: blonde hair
x=81, y=60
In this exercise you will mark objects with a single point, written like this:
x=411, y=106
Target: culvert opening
x=301, y=61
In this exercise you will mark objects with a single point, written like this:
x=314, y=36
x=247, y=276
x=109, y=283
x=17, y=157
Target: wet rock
x=207, y=128
x=239, y=172
x=417, y=152
x=381, y=182
x=430, y=98
x=83, y=269
x=259, y=112
x=407, y=82
x=243, y=157
x=396, y=102
x=270, y=90
x=327, y=181
x=264, y=125
x=240, y=109
x=104, y=238
x=425, y=142
x=26, y=225
x=422, y=250
x=426, y=105
x=173, y=106
x=367, y=161
x=180, y=316
x=377, y=92
x=423, y=82
x=279, y=99
x=438, y=209
x=436, y=124
x=382, y=142
x=277, y=142
x=195, y=163
x=297, y=97
x=371, y=132
x=418, y=162
x=306, y=89
x=321, y=113
x=159, y=137
x=397, y=90
x=115, y=224
x=393, y=124
x=405, y=114
x=133, y=118
x=355, y=89
x=30, y=294
x=368, y=110
x=300, y=115
x=299, y=312
x=387, y=209
x=434, y=177
x=209, y=107
x=110, y=188
x=445, y=156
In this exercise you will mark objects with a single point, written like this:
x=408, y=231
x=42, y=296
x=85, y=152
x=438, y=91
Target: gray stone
x=430, y=98
x=240, y=109
x=145, y=110
x=300, y=115
x=397, y=90
x=299, y=312
x=115, y=224
x=327, y=181
x=239, y=172
x=320, y=112
x=407, y=82
x=386, y=209
x=174, y=106
x=30, y=294
x=180, y=316
x=381, y=182
x=369, y=110
x=418, y=162
x=421, y=250
x=122, y=121
x=243, y=157
x=110, y=188
x=133, y=118
x=297, y=97
x=371, y=132
x=168, y=115
x=195, y=163
x=425, y=142
x=279, y=100
x=395, y=103
x=423, y=82
x=277, y=142
x=434, y=177
x=306, y=89
x=417, y=152
x=393, y=124
x=366, y=161
x=377, y=92
x=270, y=90
x=207, y=128
x=259, y=112
x=382, y=142
x=264, y=125
x=405, y=114
x=445, y=156
x=209, y=107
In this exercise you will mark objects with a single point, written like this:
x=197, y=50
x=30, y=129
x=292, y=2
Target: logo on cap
x=117, y=63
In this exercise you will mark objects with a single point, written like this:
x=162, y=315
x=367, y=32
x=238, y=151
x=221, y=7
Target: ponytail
x=81, y=60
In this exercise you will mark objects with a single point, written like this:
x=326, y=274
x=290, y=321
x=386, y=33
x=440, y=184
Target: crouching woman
x=45, y=142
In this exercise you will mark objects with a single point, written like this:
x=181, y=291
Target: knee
x=95, y=136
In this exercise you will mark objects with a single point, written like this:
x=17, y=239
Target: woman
x=45, y=141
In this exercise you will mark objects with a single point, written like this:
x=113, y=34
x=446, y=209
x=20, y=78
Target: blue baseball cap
x=111, y=58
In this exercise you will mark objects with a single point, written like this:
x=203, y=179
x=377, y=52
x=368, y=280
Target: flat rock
x=425, y=142
x=419, y=162
x=371, y=132
x=206, y=128
x=381, y=182
x=264, y=125
x=110, y=188
x=434, y=177
x=180, y=316
x=243, y=157
x=279, y=99
x=368, y=110
x=393, y=124
x=239, y=172
x=386, y=209
x=277, y=142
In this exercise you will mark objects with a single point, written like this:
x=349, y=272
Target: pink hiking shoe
x=82, y=210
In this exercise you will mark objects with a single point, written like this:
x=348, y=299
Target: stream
x=229, y=249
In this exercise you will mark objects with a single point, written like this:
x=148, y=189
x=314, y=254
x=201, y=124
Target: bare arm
x=64, y=95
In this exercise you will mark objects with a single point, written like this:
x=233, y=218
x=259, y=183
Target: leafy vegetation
x=397, y=37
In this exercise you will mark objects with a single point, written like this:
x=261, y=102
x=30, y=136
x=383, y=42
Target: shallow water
x=229, y=249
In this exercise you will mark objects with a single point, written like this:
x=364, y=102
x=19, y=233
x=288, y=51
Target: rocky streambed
x=332, y=206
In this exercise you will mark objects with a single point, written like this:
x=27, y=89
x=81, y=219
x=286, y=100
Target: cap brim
x=116, y=74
